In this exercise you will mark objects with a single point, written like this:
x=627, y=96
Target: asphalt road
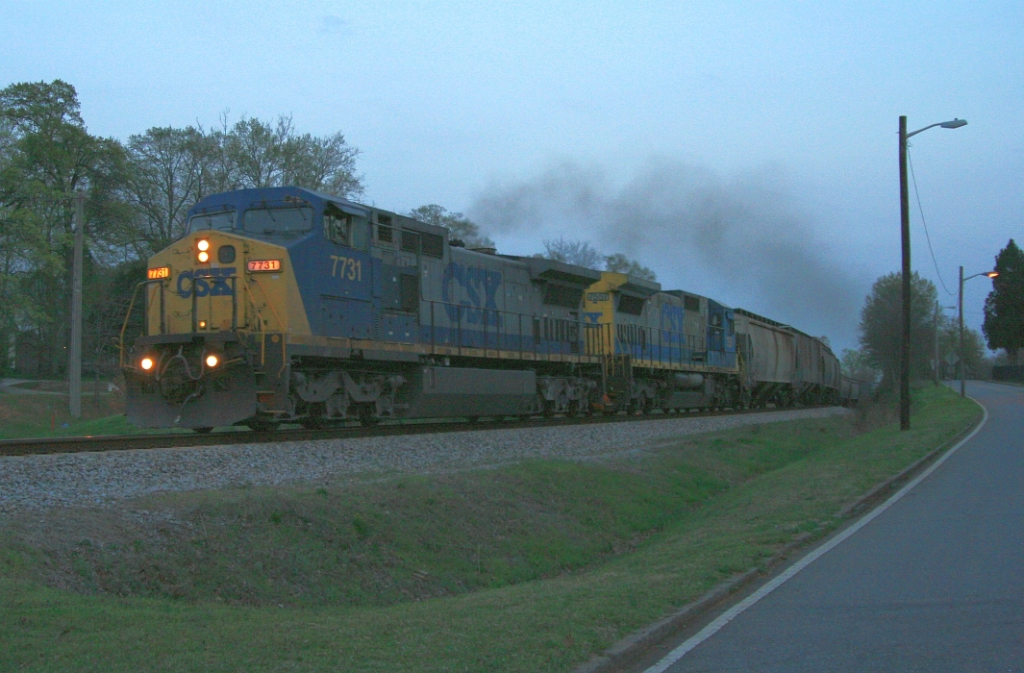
x=933, y=583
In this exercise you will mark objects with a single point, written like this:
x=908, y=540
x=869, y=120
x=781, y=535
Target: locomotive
x=287, y=305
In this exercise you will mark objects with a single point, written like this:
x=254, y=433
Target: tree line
x=138, y=193
x=881, y=332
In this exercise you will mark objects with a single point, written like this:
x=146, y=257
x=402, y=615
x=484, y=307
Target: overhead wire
x=927, y=236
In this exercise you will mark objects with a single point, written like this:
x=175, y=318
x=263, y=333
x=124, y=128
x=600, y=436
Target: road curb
x=630, y=649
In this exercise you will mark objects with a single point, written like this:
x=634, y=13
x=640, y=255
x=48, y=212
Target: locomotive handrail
x=259, y=321
x=284, y=348
x=145, y=324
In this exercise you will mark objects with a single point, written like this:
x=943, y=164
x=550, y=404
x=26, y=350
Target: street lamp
x=905, y=226
x=990, y=274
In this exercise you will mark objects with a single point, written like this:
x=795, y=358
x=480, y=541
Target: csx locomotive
x=287, y=305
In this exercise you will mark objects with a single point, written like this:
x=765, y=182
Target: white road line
x=738, y=609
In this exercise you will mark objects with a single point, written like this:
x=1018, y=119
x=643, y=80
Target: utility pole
x=905, y=318
x=963, y=386
x=936, y=343
x=905, y=231
x=75, y=352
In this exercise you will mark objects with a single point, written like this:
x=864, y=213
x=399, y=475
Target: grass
x=533, y=567
x=46, y=415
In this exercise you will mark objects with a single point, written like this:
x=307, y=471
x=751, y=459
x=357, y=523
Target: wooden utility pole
x=937, y=363
x=75, y=352
x=963, y=386
x=905, y=317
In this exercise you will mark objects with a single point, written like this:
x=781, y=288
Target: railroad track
x=54, y=445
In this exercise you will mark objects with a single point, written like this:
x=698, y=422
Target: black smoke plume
x=743, y=241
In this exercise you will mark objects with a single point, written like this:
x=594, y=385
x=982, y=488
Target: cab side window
x=336, y=227
x=344, y=229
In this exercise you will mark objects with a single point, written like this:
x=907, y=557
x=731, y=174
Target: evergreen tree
x=1004, y=306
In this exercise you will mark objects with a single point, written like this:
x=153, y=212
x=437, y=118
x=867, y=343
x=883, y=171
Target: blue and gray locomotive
x=283, y=305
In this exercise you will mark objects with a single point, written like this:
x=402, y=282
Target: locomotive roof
x=549, y=269
x=623, y=282
x=240, y=199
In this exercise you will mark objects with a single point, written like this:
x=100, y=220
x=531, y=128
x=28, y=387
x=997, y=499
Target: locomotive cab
x=215, y=308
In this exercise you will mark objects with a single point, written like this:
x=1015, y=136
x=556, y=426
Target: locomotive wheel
x=261, y=424
x=312, y=423
x=366, y=416
x=315, y=420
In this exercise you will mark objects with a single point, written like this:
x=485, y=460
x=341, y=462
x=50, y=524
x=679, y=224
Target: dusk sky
x=743, y=150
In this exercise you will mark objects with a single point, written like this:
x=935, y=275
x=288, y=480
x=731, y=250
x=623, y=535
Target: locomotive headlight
x=212, y=360
x=203, y=257
x=203, y=245
x=146, y=363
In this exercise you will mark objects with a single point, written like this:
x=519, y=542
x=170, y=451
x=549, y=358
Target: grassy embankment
x=533, y=567
x=43, y=412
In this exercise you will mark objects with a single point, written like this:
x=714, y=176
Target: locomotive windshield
x=223, y=221
x=287, y=220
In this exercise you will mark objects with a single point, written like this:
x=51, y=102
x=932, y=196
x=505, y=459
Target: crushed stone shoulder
x=103, y=479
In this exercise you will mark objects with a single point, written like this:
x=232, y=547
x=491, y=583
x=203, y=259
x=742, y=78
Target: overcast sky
x=746, y=150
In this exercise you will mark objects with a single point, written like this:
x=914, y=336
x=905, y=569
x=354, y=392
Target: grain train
x=283, y=305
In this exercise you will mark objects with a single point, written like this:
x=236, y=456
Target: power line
x=926, y=234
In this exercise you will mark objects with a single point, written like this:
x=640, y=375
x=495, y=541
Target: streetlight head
x=992, y=274
x=955, y=124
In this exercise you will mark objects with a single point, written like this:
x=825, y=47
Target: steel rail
x=58, y=445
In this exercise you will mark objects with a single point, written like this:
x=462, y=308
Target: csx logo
x=206, y=282
x=480, y=287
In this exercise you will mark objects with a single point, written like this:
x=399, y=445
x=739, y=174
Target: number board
x=263, y=265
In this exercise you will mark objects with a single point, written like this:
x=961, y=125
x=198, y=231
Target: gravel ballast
x=104, y=479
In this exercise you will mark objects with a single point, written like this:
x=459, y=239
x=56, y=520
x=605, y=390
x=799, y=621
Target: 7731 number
x=347, y=267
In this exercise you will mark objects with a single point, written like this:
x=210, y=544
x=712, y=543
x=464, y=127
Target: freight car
x=286, y=305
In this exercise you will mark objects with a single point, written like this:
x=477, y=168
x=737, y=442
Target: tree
x=622, y=264
x=47, y=155
x=581, y=253
x=972, y=356
x=170, y=169
x=254, y=153
x=881, y=326
x=577, y=253
x=856, y=364
x=167, y=168
x=1004, y=306
x=459, y=226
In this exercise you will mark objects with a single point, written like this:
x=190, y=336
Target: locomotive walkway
x=932, y=581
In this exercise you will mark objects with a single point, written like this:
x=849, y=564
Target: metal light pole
x=990, y=274
x=905, y=230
